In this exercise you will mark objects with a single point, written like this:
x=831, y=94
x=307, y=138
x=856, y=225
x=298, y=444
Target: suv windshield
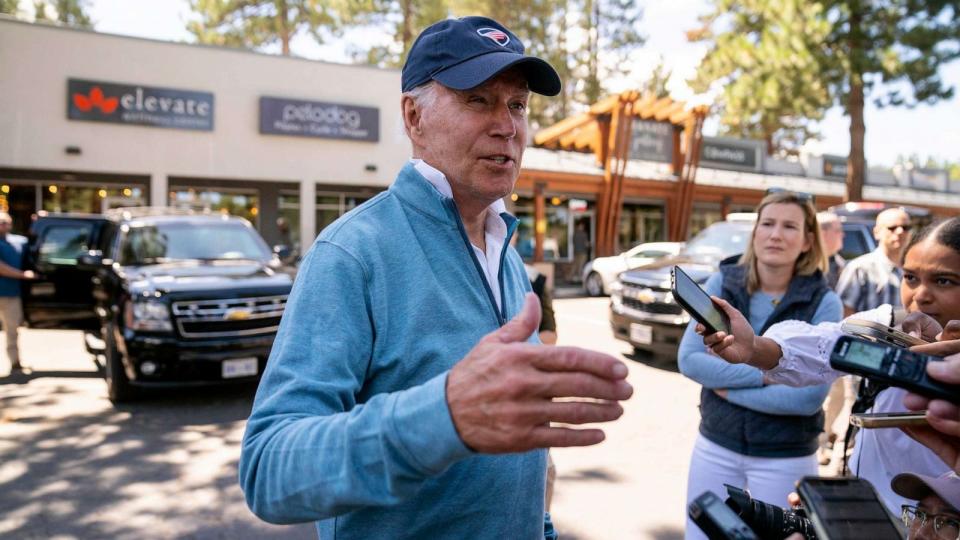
x=180, y=241
x=719, y=241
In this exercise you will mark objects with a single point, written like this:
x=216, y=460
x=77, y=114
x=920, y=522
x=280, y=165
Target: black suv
x=165, y=297
x=642, y=310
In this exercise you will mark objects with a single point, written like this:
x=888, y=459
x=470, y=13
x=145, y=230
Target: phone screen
x=696, y=301
x=866, y=355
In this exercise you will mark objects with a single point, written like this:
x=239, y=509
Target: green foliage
x=403, y=19
x=782, y=63
x=767, y=63
x=656, y=83
x=255, y=24
x=9, y=7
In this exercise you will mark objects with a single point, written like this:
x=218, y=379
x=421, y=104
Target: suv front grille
x=229, y=317
x=650, y=300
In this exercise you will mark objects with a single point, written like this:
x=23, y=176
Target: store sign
x=97, y=101
x=281, y=116
x=834, y=167
x=723, y=154
x=652, y=141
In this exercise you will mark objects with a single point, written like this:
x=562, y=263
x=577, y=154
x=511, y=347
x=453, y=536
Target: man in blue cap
x=407, y=395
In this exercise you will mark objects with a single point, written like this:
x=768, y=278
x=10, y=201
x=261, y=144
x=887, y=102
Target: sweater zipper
x=476, y=265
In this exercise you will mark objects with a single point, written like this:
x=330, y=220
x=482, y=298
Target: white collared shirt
x=494, y=228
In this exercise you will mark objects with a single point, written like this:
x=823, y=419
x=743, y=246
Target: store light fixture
x=555, y=201
x=127, y=192
x=102, y=193
x=514, y=197
x=254, y=211
x=52, y=189
x=5, y=188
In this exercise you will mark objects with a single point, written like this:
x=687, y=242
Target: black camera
x=767, y=520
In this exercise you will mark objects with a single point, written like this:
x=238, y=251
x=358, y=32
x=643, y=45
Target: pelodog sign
x=117, y=103
x=281, y=116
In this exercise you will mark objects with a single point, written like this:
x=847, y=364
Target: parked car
x=164, y=297
x=642, y=310
x=600, y=273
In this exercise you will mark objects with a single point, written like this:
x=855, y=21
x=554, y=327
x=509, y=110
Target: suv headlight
x=149, y=315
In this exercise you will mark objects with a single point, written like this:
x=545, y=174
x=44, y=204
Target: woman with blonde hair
x=753, y=435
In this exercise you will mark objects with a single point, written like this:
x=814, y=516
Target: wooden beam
x=555, y=131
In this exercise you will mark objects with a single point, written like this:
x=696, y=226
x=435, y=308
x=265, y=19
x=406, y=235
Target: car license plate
x=240, y=367
x=641, y=333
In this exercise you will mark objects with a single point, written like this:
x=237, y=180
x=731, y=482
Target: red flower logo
x=95, y=99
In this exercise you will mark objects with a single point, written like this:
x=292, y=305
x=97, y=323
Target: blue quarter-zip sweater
x=350, y=426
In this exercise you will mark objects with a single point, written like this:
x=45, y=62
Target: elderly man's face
x=476, y=137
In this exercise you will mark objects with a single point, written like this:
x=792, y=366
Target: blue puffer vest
x=753, y=433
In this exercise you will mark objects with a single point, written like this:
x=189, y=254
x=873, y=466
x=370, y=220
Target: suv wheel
x=594, y=284
x=119, y=388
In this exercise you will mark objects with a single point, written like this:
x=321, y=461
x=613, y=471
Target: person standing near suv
x=755, y=435
x=873, y=279
x=11, y=264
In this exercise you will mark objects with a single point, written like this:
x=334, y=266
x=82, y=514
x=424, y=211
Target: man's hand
x=29, y=274
x=501, y=394
x=737, y=347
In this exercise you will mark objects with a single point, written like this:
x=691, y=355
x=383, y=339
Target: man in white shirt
x=873, y=279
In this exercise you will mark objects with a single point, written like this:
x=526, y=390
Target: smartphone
x=717, y=520
x=891, y=365
x=888, y=419
x=697, y=302
x=880, y=333
x=846, y=508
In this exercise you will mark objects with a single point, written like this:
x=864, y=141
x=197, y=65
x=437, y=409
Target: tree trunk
x=406, y=8
x=855, y=161
x=856, y=164
x=283, y=27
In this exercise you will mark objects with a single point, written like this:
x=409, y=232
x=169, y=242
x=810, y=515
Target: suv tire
x=119, y=388
x=594, y=284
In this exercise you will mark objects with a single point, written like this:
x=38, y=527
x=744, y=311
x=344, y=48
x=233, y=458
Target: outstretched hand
x=942, y=435
x=501, y=395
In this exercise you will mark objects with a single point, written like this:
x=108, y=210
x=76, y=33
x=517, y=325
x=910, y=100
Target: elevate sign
x=116, y=103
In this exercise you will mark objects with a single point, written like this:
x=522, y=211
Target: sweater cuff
x=424, y=428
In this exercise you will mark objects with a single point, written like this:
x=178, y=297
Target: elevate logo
x=87, y=102
x=98, y=101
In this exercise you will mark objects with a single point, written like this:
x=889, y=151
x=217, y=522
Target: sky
x=924, y=130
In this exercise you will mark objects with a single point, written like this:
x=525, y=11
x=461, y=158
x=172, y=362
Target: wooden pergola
x=605, y=130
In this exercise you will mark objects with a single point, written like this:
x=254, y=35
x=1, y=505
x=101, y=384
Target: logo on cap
x=498, y=36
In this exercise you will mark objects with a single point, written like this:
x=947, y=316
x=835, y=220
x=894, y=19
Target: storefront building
x=94, y=121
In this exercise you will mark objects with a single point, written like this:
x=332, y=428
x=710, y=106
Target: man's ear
x=411, y=116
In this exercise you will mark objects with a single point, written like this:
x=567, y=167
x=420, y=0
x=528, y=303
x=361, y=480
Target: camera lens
x=767, y=520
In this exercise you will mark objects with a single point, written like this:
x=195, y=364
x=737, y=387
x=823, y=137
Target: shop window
x=90, y=199
x=556, y=238
x=245, y=204
x=701, y=217
x=639, y=224
x=331, y=206
x=288, y=207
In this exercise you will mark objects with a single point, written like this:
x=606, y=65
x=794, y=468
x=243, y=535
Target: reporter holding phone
x=796, y=353
x=753, y=435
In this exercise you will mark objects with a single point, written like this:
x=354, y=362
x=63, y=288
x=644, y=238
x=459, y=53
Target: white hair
x=424, y=95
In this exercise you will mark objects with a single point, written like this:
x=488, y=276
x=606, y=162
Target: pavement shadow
x=664, y=363
x=666, y=533
x=155, y=469
x=24, y=377
x=590, y=475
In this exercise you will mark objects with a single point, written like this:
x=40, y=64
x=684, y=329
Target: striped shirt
x=870, y=281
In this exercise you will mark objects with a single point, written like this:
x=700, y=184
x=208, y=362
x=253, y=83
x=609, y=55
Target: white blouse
x=878, y=454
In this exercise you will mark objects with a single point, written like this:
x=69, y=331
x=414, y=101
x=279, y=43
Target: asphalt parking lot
x=72, y=465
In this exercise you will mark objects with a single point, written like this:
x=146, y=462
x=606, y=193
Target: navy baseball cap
x=464, y=53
